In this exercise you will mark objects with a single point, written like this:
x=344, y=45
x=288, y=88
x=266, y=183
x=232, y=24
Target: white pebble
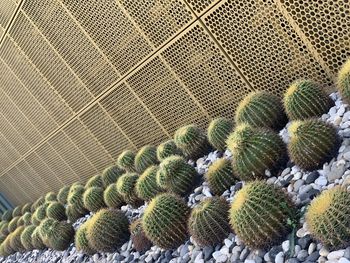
x=336, y=254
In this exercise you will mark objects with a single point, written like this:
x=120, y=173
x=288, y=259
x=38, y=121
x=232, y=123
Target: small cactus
x=26, y=208
x=146, y=185
x=176, y=175
x=262, y=110
x=40, y=212
x=107, y=230
x=140, y=241
x=4, y=230
x=81, y=241
x=17, y=211
x=63, y=195
x=13, y=224
x=56, y=211
x=37, y=203
x=165, y=219
x=192, y=141
x=343, y=82
x=218, y=131
x=75, y=198
x=26, y=237
x=7, y=216
x=126, y=187
x=46, y=229
x=73, y=214
x=62, y=236
x=6, y=246
x=20, y=221
x=260, y=215
x=112, y=198
x=220, y=176
x=126, y=161
x=93, y=199
x=51, y=196
x=15, y=240
x=34, y=220
x=145, y=157
x=95, y=181
x=111, y=174
x=313, y=142
x=27, y=218
x=327, y=218
x=37, y=241
x=209, y=223
x=167, y=149
x=255, y=150
x=305, y=99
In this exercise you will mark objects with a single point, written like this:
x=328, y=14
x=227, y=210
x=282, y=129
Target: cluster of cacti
x=63, y=195
x=126, y=161
x=305, y=99
x=93, y=199
x=111, y=174
x=146, y=185
x=167, y=149
x=94, y=181
x=176, y=175
x=81, y=240
x=107, y=230
x=26, y=237
x=262, y=110
x=254, y=151
x=145, y=157
x=126, y=187
x=220, y=176
x=51, y=196
x=260, y=214
x=344, y=81
x=112, y=197
x=218, y=131
x=192, y=141
x=140, y=241
x=165, y=221
x=208, y=223
x=313, y=142
x=56, y=210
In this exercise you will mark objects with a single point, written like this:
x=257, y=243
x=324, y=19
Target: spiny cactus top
x=26, y=208
x=82, y=242
x=305, y=99
x=254, y=150
x=56, y=211
x=165, y=220
x=126, y=161
x=37, y=203
x=112, y=197
x=209, y=222
x=51, y=196
x=313, y=142
x=93, y=199
x=167, y=149
x=260, y=214
x=13, y=224
x=4, y=228
x=146, y=185
x=192, y=141
x=27, y=218
x=107, y=230
x=327, y=218
x=63, y=195
x=75, y=197
x=261, y=109
x=140, y=241
x=96, y=180
x=111, y=174
x=7, y=216
x=145, y=157
x=126, y=187
x=344, y=81
x=218, y=131
x=17, y=211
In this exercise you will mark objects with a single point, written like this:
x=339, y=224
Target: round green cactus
x=343, y=82
x=313, y=142
x=81, y=241
x=107, y=230
x=112, y=198
x=17, y=211
x=26, y=237
x=34, y=220
x=51, y=196
x=46, y=229
x=208, y=223
x=140, y=241
x=13, y=224
x=220, y=176
x=61, y=236
x=146, y=185
x=4, y=230
x=37, y=241
x=95, y=181
x=63, y=195
x=111, y=174
x=126, y=187
x=37, y=203
x=176, y=175
x=7, y=216
x=260, y=215
x=15, y=241
x=165, y=221
x=27, y=218
x=93, y=199
x=75, y=198
x=218, y=131
x=40, y=212
x=145, y=157
x=6, y=246
x=305, y=99
x=73, y=214
x=327, y=218
x=20, y=221
x=57, y=211
x=26, y=208
x=262, y=110
x=255, y=150
x=126, y=161
x=167, y=149
x=192, y=141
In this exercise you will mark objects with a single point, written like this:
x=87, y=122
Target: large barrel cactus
x=218, y=131
x=94, y=181
x=261, y=109
x=167, y=149
x=140, y=241
x=63, y=195
x=209, y=222
x=305, y=99
x=37, y=241
x=192, y=141
x=112, y=197
x=93, y=199
x=165, y=221
x=50, y=196
x=260, y=215
x=176, y=175
x=62, y=236
x=220, y=176
x=26, y=237
x=146, y=185
x=81, y=240
x=145, y=157
x=57, y=211
x=254, y=151
x=40, y=212
x=344, y=81
x=107, y=230
x=111, y=174
x=327, y=218
x=313, y=142
x=126, y=161
x=75, y=198
x=126, y=187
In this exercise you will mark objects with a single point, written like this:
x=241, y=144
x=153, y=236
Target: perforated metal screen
x=82, y=80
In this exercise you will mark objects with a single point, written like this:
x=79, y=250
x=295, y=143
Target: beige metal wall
x=81, y=80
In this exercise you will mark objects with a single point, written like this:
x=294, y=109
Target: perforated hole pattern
x=82, y=80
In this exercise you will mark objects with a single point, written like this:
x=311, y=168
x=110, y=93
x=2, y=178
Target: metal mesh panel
x=7, y=8
x=199, y=6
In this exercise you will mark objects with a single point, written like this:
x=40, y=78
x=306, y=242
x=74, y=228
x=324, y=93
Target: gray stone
x=279, y=258
x=302, y=255
x=337, y=170
x=336, y=254
x=347, y=250
x=313, y=256
x=238, y=186
x=297, y=184
x=244, y=254
x=207, y=251
x=184, y=250
x=311, y=248
x=311, y=177
x=274, y=251
x=292, y=260
x=304, y=241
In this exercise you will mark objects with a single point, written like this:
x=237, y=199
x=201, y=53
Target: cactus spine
x=93, y=199
x=126, y=161
x=218, y=131
x=145, y=157
x=167, y=149
x=126, y=187
x=343, y=82
x=146, y=185
x=140, y=241
x=111, y=174
x=56, y=211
